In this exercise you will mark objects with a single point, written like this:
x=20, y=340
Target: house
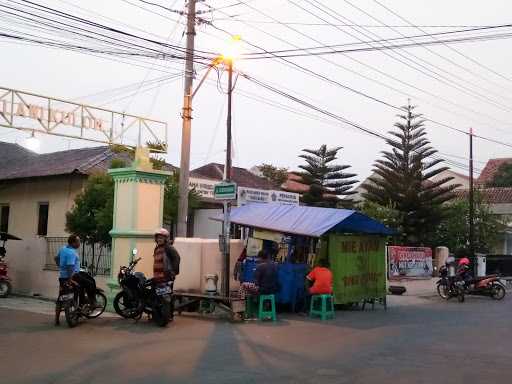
x=36, y=191
x=251, y=188
x=491, y=168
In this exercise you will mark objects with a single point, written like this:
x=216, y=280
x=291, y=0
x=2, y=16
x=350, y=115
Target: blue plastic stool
x=326, y=304
x=265, y=314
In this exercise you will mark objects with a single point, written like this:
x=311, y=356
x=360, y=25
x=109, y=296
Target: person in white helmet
x=166, y=259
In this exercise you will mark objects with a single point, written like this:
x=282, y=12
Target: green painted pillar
x=138, y=211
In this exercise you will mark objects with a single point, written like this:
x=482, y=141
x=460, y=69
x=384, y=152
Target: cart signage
x=409, y=262
x=358, y=264
x=225, y=191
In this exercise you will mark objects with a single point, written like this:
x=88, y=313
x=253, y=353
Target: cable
x=453, y=49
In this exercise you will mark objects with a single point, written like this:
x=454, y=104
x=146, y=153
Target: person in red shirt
x=320, y=280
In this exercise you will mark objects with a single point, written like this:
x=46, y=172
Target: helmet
x=162, y=232
x=464, y=261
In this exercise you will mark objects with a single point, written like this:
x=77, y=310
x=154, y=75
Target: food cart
x=353, y=242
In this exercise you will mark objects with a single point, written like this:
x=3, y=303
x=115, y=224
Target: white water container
x=481, y=265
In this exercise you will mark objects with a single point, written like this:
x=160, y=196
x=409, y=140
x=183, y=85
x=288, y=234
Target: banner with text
x=409, y=262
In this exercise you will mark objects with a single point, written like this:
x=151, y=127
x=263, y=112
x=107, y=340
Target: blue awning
x=305, y=221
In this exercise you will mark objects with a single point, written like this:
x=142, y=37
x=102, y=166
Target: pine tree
x=403, y=179
x=327, y=182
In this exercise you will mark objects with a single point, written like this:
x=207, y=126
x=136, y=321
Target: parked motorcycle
x=75, y=304
x=140, y=295
x=486, y=286
x=5, y=281
x=450, y=286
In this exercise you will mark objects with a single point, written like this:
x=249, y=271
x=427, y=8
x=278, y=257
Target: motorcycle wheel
x=162, y=313
x=498, y=292
x=129, y=309
x=71, y=312
x=101, y=304
x=5, y=289
x=443, y=292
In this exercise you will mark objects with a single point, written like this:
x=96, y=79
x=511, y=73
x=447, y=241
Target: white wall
x=204, y=227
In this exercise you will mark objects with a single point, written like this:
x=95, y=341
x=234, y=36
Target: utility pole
x=187, y=121
x=226, y=228
x=471, y=204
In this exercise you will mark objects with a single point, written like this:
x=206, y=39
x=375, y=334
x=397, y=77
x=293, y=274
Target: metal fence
x=97, y=260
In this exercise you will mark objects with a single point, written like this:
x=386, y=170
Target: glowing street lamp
x=231, y=51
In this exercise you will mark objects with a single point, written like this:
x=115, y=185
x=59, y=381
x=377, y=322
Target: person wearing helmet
x=166, y=259
x=464, y=271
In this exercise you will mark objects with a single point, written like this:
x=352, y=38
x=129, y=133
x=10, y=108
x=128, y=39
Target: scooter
x=486, y=286
x=5, y=281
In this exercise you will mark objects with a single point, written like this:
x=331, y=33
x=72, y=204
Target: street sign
x=225, y=191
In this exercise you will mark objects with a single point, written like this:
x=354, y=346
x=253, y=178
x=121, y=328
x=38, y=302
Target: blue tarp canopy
x=305, y=221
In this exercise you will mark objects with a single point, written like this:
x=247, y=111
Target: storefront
x=299, y=236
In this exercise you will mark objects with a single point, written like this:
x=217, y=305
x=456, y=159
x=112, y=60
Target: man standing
x=166, y=259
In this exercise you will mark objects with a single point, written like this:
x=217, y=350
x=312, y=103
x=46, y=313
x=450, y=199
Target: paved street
x=418, y=340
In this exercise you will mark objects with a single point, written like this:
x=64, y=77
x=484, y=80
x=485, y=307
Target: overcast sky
x=467, y=95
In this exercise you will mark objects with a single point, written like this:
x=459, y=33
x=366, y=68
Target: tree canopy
x=405, y=180
x=327, y=182
x=275, y=175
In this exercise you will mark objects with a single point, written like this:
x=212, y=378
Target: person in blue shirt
x=69, y=269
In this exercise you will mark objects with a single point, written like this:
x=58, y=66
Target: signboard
x=30, y=112
x=409, y=262
x=203, y=187
x=252, y=195
x=225, y=191
x=358, y=264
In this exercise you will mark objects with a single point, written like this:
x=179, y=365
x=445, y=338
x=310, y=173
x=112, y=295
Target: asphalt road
x=419, y=341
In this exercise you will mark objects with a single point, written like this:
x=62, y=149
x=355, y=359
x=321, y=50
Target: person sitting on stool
x=265, y=276
x=321, y=280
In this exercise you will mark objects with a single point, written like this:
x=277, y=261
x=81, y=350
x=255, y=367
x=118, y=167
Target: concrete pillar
x=441, y=254
x=138, y=211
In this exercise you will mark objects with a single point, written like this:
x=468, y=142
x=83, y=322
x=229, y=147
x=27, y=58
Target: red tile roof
x=243, y=177
x=294, y=184
x=491, y=195
x=491, y=168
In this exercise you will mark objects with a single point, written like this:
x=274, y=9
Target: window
x=42, y=225
x=4, y=218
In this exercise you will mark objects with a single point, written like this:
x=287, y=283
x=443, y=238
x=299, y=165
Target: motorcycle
x=486, y=286
x=75, y=304
x=5, y=281
x=448, y=287
x=140, y=295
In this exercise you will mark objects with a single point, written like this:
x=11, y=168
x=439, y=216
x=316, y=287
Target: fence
x=97, y=260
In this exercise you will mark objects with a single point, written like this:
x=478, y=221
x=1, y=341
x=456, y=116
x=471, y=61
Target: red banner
x=409, y=262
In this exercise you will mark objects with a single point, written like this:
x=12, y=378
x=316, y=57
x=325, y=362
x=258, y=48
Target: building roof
x=243, y=177
x=491, y=195
x=294, y=184
x=305, y=221
x=490, y=169
x=19, y=163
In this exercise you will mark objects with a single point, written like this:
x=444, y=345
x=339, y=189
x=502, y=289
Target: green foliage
x=275, y=175
x=117, y=163
x=453, y=231
x=91, y=216
x=387, y=215
x=503, y=177
x=172, y=193
x=404, y=181
x=327, y=182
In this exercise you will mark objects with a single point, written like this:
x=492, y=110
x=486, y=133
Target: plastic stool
x=263, y=314
x=326, y=310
